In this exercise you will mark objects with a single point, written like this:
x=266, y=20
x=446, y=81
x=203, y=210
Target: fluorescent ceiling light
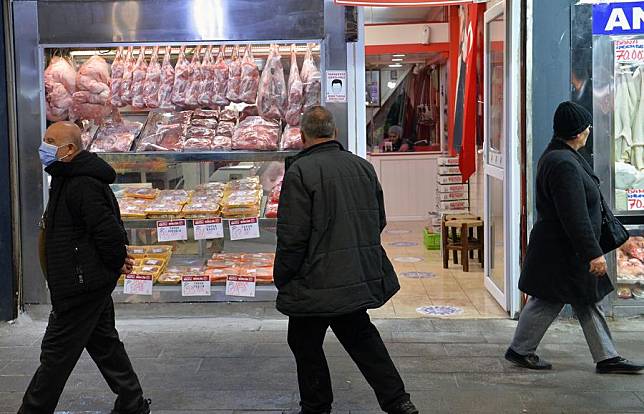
x=396, y=65
x=398, y=55
x=397, y=59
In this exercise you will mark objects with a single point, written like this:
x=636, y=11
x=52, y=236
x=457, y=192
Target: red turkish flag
x=467, y=155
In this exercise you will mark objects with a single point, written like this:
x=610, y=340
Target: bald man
x=85, y=252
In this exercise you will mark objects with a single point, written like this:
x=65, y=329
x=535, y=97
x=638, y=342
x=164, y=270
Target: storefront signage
x=172, y=230
x=138, y=284
x=244, y=229
x=618, y=18
x=208, y=229
x=240, y=286
x=629, y=51
x=336, y=85
x=635, y=200
x=195, y=285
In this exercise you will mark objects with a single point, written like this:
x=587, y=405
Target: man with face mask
x=85, y=252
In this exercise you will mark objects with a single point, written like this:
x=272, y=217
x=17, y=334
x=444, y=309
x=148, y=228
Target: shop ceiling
x=389, y=15
x=383, y=61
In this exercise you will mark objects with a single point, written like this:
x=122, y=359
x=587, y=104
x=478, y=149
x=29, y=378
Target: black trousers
x=89, y=326
x=361, y=340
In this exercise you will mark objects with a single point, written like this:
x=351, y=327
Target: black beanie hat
x=570, y=120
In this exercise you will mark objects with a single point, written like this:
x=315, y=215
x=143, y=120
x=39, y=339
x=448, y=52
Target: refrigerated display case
x=186, y=161
x=618, y=129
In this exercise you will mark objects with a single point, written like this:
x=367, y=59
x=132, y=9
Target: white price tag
x=175, y=230
x=240, y=286
x=208, y=229
x=244, y=229
x=635, y=200
x=629, y=51
x=198, y=285
x=137, y=284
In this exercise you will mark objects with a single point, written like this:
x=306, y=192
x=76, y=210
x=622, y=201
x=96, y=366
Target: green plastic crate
x=432, y=241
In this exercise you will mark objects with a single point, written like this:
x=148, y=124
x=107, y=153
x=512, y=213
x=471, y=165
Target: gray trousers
x=537, y=316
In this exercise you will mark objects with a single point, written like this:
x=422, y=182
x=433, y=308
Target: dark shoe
x=618, y=365
x=145, y=408
x=405, y=407
x=531, y=361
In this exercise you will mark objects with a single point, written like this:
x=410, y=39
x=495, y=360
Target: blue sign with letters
x=618, y=18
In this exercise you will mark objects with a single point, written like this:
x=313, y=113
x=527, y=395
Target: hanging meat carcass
x=91, y=99
x=118, y=66
x=167, y=80
x=271, y=96
x=128, y=72
x=152, y=81
x=311, y=78
x=234, y=77
x=138, y=80
x=207, y=79
x=60, y=85
x=295, y=92
x=249, y=78
x=192, y=93
x=221, y=80
x=182, y=79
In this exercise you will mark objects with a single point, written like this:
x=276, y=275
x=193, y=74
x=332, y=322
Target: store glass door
x=495, y=155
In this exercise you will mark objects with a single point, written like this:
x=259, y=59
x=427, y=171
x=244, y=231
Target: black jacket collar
x=560, y=144
x=322, y=147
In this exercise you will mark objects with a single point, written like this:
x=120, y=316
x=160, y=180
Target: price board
x=175, y=230
x=195, y=285
x=207, y=229
x=244, y=229
x=629, y=51
x=243, y=286
x=635, y=199
x=136, y=284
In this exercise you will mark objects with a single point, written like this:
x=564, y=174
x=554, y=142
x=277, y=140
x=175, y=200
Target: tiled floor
x=448, y=287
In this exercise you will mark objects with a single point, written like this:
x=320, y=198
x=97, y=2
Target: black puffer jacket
x=565, y=237
x=85, y=242
x=329, y=259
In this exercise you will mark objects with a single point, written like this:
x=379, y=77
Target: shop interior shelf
x=263, y=293
x=264, y=222
x=201, y=156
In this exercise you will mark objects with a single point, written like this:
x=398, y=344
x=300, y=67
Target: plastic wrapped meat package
x=256, y=133
x=138, y=81
x=194, y=88
x=197, y=144
x=205, y=123
x=249, y=78
x=630, y=260
x=174, y=196
x=163, y=210
x=60, y=85
x=241, y=204
x=197, y=210
x=222, y=143
x=311, y=78
x=118, y=66
x=295, y=92
x=271, y=210
x=234, y=76
x=229, y=115
x=142, y=192
x=91, y=100
x=272, y=94
x=291, y=138
x=116, y=136
x=206, y=114
x=164, y=131
x=131, y=209
x=226, y=129
x=152, y=81
x=182, y=79
x=221, y=73
x=248, y=183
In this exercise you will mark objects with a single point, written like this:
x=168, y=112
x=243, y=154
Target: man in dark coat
x=85, y=252
x=564, y=263
x=330, y=266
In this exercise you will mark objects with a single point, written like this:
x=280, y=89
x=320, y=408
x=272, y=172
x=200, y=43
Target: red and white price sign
x=635, y=199
x=244, y=229
x=207, y=229
x=195, y=285
x=629, y=51
x=240, y=286
x=175, y=230
x=137, y=284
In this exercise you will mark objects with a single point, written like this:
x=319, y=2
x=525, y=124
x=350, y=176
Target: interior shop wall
x=7, y=274
x=549, y=82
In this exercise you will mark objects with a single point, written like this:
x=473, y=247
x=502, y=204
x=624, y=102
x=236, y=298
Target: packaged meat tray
x=222, y=143
x=250, y=257
x=226, y=129
x=206, y=114
x=205, y=122
x=116, y=136
x=271, y=210
x=274, y=196
x=131, y=210
x=213, y=186
x=160, y=251
x=137, y=252
x=163, y=210
x=164, y=131
x=256, y=133
x=197, y=210
x=249, y=183
x=291, y=139
x=174, y=196
x=170, y=279
x=242, y=198
x=142, y=192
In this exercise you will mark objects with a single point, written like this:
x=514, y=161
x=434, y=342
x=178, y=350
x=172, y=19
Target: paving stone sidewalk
x=233, y=358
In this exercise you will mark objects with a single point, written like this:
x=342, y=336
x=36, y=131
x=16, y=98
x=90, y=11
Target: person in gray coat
x=564, y=263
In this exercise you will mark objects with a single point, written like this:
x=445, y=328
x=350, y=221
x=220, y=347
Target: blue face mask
x=48, y=154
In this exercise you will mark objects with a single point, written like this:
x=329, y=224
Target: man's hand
x=128, y=266
x=598, y=266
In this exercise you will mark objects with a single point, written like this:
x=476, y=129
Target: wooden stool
x=466, y=243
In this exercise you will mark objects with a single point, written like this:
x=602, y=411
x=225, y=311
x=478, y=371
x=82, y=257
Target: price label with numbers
x=172, y=230
x=244, y=229
x=629, y=51
x=195, y=285
x=208, y=229
x=240, y=286
x=138, y=284
x=635, y=199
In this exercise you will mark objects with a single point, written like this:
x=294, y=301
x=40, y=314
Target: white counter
x=409, y=183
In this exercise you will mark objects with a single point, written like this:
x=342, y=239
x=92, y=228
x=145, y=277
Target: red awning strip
x=401, y=3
